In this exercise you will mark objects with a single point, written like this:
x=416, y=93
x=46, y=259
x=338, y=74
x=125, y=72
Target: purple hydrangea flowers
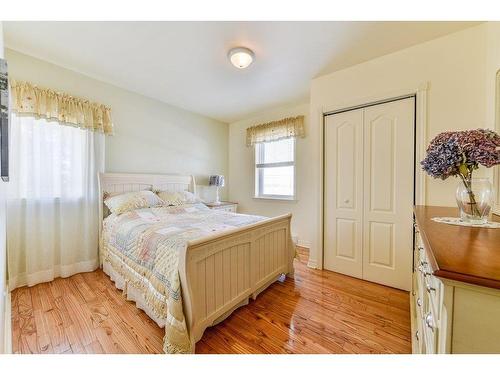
x=461, y=152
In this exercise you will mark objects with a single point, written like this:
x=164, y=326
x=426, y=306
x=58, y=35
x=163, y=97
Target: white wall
x=458, y=71
x=150, y=136
x=241, y=175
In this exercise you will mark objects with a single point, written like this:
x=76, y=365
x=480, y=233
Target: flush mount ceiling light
x=241, y=57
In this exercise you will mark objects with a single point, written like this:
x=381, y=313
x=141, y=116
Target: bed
x=188, y=267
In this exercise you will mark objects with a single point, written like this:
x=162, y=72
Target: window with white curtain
x=275, y=169
x=50, y=159
x=52, y=200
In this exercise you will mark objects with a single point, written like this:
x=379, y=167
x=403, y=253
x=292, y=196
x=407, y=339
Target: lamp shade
x=216, y=180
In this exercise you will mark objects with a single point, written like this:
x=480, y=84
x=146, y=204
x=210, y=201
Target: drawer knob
x=419, y=301
x=429, y=321
x=429, y=288
x=423, y=271
x=417, y=336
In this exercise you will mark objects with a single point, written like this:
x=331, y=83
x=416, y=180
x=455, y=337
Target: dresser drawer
x=230, y=208
x=418, y=336
x=429, y=285
x=426, y=294
x=233, y=207
x=429, y=330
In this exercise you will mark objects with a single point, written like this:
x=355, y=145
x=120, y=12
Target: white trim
x=305, y=244
x=496, y=170
x=421, y=142
x=7, y=347
x=313, y=264
x=286, y=198
x=421, y=114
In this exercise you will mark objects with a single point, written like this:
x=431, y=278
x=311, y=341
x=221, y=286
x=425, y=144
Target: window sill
x=291, y=200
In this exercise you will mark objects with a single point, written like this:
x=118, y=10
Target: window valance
x=30, y=100
x=275, y=130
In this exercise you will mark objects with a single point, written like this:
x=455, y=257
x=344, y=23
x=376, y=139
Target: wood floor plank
x=57, y=332
x=72, y=333
x=315, y=312
x=81, y=320
x=94, y=348
x=29, y=344
x=42, y=329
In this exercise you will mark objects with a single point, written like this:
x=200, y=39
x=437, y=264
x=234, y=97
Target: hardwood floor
x=317, y=312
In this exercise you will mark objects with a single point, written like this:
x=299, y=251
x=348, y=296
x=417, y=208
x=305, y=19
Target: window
x=52, y=161
x=275, y=169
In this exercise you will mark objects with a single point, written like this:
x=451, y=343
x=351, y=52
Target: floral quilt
x=143, y=246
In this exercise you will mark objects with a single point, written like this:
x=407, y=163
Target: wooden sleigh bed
x=220, y=272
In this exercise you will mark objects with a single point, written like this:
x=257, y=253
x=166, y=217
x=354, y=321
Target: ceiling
x=185, y=63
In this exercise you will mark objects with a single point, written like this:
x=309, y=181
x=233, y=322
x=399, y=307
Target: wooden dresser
x=455, y=304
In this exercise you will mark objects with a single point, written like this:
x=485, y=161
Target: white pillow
x=176, y=198
x=119, y=204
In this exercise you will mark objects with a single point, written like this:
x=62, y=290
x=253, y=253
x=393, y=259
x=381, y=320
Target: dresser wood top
x=221, y=204
x=470, y=255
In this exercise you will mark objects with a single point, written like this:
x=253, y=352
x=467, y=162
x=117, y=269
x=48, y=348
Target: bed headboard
x=128, y=182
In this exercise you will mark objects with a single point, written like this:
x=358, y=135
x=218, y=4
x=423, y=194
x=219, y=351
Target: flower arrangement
x=459, y=153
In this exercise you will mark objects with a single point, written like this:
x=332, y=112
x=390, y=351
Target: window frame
x=258, y=173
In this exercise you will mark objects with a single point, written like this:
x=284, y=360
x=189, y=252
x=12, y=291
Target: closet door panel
x=388, y=193
x=343, y=193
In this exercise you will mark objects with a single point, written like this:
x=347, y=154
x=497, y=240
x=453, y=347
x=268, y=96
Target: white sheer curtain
x=52, y=203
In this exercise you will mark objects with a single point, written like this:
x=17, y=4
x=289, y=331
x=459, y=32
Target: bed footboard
x=219, y=273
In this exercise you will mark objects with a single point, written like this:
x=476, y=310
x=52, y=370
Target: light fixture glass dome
x=241, y=57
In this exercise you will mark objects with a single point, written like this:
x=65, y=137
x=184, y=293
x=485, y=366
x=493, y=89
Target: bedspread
x=144, y=245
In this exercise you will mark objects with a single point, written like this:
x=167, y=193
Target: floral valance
x=275, y=130
x=30, y=100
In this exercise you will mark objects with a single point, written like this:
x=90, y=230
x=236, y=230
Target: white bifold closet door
x=368, y=197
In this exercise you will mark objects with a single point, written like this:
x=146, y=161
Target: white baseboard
x=8, y=323
x=312, y=264
x=305, y=244
x=6, y=347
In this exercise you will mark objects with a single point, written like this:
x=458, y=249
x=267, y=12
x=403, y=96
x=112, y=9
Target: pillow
x=176, y=198
x=119, y=204
x=190, y=197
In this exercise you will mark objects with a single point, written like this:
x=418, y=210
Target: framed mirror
x=496, y=169
x=4, y=121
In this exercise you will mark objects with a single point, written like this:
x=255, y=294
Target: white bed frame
x=218, y=273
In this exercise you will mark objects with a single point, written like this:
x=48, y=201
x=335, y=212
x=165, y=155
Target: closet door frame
x=420, y=94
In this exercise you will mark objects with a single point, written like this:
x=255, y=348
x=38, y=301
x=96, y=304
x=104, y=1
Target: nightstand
x=224, y=206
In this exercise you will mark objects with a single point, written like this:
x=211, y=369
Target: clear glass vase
x=474, y=199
